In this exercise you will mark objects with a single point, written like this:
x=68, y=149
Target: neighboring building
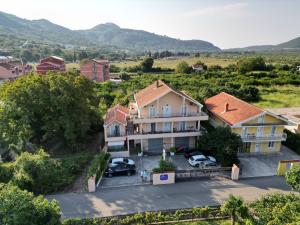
x=292, y=115
x=260, y=130
x=298, y=68
x=52, y=63
x=11, y=68
x=198, y=68
x=97, y=70
x=160, y=118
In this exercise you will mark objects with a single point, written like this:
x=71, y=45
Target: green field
x=279, y=96
x=171, y=63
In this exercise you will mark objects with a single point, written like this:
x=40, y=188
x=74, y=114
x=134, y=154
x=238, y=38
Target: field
x=171, y=63
x=279, y=96
x=212, y=222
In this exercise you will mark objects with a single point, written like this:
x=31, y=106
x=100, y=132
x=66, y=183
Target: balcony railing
x=116, y=134
x=162, y=131
x=171, y=115
x=276, y=137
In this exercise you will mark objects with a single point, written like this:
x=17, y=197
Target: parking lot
x=143, y=163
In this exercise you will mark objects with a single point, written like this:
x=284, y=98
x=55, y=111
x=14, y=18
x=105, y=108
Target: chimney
x=226, y=107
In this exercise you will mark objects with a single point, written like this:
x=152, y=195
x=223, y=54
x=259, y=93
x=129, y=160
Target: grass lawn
x=171, y=63
x=212, y=222
x=279, y=96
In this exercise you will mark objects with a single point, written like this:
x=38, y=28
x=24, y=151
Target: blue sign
x=164, y=177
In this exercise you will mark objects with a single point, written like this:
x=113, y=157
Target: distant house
x=11, y=68
x=198, y=68
x=97, y=70
x=52, y=63
x=298, y=68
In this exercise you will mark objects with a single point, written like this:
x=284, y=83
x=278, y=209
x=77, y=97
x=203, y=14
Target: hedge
x=164, y=166
x=6, y=172
x=151, y=217
x=98, y=165
x=292, y=141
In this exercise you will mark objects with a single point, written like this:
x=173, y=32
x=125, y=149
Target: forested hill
x=102, y=35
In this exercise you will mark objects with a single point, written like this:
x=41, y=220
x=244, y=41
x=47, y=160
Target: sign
x=164, y=177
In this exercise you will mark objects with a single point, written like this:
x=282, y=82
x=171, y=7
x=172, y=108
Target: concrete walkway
x=126, y=200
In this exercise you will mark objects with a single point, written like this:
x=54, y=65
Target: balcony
x=116, y=136
x=276, y=137
x=175, y=117
x=164, y=134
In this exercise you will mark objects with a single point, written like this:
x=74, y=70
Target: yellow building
x=261, y=131
x=160, y=118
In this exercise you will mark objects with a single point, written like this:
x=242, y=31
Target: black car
x=120, y=169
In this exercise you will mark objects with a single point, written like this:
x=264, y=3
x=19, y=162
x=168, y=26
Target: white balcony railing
x=171, y=115
x=276, y=137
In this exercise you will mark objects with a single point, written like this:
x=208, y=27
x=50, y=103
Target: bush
x=6, y=172
x=164, y=166
x=292, y=178
x=18, y=207
x=292, y=141
x=183, y=67
x=41, y=174
x=98, y=165
x=251, y=64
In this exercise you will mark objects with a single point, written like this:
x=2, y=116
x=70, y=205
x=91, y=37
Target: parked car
x=120, y=169
x=187, y=154
x=197, y=160
x=202, y=161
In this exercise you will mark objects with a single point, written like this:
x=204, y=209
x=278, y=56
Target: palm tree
x=235, y=207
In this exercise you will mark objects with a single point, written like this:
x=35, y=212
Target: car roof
x=199, y=157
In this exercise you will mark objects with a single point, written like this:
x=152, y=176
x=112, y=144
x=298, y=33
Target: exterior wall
x=173, y=100
x=100, y=74
x=216, y=122
x=190, y=125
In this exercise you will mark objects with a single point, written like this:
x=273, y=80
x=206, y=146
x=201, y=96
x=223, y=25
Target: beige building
x=160, y=118
x=261, y=131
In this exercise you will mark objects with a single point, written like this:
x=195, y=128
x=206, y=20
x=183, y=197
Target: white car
x=213, y=159
x=197, y=160
x=121, y=160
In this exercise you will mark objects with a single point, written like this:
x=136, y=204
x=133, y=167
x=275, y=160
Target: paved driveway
x=132, y=199
x=264, y=165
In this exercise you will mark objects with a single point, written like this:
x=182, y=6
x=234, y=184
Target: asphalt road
x=126, y=200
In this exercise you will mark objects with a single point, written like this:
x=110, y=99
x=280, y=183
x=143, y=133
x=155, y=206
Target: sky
x=225, y=23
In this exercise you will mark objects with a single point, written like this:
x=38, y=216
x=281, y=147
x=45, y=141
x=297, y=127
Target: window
x=153, y=127
x=182, y=125
x=167, y=127
x=166, y=110
x=184, y=110
x=152, y=111
x=245, y=132
x=271, y=144
x=273, y=130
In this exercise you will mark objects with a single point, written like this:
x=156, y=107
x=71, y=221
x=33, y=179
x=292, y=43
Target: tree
x=251, y=64
x=204, y=66
x=222, y=143
x=18, y=207
x=147, y=64
x=114, y=69
x=235, y=207
x=292, y=178
x=183, y=67
x=36, y=109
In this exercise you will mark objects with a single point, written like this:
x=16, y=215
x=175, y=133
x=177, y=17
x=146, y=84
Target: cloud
x=217, y=10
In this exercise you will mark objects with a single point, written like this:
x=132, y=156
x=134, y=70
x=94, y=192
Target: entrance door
x=257, y=147
x=182, y=142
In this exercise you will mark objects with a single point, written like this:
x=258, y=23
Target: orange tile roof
x=237, y=109
x=117, y=113
x=155, y=91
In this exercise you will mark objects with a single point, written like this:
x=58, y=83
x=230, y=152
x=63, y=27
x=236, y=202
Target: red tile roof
x=117, y=113
x=155, y=91
x=237, y=109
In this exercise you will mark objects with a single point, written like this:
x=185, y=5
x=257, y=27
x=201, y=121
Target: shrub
x=183, y=67
x=98, y=165
x=292, y=178
x=164, y=166
x=41, y=174
x=18, y=207
x=6, y=172
x=292, y=141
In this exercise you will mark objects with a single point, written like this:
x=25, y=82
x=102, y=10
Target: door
x=153, y=127
x=182, y=126
x=257, y=147
x=155, y=145
x=184, y=110
x=152, y=111
x=273, y=131
x=260, y=131
x=182, y=142
x=167, y=127
x=166, y=111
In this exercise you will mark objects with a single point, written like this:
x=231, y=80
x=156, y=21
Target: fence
x=203, y=172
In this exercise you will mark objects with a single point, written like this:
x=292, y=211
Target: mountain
x=108, y=34
x=293, y=44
